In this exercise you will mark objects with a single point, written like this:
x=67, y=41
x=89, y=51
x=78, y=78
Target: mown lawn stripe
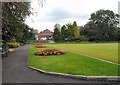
x=71, y=63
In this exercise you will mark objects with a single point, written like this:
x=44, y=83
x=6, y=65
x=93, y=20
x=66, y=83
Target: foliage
x=118, y=34
x=13, y=17
x=102, y=26
x=83, y=38
x=70, y=34
x=63, y=32
x=4, y=46
x=13, y=44
x=56, y=34
x=76, y=30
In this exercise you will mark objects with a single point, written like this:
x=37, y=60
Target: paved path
x=15, y=70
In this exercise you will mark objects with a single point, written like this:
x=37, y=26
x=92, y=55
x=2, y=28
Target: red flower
x=39, y=45
x=50, y=52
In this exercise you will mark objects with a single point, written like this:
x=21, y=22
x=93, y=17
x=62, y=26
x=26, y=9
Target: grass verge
x=71, y=63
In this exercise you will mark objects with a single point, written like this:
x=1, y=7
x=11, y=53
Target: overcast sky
x=65, y=11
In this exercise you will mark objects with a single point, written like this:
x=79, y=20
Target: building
x=45, y=34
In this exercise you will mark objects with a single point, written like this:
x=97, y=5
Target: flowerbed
x=50, y=52
x=39, y=45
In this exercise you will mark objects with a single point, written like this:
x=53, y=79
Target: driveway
x=15, y=70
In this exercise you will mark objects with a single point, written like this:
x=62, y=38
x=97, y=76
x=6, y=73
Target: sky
x=66, y=11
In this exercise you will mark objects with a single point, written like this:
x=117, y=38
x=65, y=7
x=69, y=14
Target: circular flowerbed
x=50, y=52
x=39, y=45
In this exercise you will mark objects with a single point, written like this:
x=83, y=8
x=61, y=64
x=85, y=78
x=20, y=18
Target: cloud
x=65, y=11
x=60, y=14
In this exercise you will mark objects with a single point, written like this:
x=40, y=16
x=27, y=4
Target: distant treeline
x=102, y=26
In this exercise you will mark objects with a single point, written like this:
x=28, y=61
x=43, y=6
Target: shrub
x=21, y=44
x=13, y=44
x=84, y=38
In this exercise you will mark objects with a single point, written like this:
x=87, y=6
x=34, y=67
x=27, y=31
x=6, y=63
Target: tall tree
x=76, y=30
x=118, y=34
x=102, y=26
x=56, y=34
x=90, y=31
x=63, y=32
x=105, y=24
x=57, y=26
x=70, y=33
x=13, y=17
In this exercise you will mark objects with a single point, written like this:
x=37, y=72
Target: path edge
x=93, y=78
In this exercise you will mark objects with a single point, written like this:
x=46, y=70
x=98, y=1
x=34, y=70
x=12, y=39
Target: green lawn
x=107, y=51
x=71, y=63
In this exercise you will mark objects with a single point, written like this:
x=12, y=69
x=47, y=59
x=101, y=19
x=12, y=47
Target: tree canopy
x=63, y=32
x=67, y=32
x=56, y=34
x=102, y=26
x=76, y=30
x=13, y=18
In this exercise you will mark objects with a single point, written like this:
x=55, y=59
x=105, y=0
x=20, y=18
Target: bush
x=21, y=44
x=13, y=44
x=5, y=47
x=83, y=38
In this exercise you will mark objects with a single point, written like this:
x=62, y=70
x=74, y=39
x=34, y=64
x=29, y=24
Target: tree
x=70, y=33
x=118, y=34
x=57, y=26
x=76, y=30
x=105, y=24
x=90, y=31
x=63, y=32
x=56, y=34
x=13, y=17
x=102, y=26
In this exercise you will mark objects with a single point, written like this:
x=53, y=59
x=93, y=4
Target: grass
x=107, y=51
x=71, y=63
